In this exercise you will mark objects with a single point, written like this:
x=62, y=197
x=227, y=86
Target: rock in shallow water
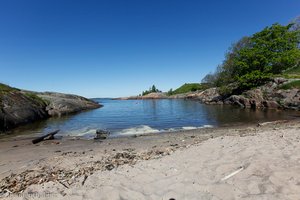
x=101, y=134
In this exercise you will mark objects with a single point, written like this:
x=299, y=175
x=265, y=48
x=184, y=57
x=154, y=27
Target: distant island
x=259, y=71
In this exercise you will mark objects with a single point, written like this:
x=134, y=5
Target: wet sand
x=247, y=162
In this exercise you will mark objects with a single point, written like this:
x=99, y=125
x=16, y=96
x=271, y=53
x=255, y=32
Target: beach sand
x=246, y=162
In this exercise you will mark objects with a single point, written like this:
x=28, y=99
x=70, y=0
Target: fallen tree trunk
x=49, y=136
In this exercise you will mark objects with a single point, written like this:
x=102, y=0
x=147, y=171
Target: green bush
x=254, y=60
x=253, y=79
x=188, y=87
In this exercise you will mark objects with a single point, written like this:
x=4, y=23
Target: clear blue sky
x=110, y=48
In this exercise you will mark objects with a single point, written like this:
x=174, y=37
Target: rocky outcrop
x=268, y=96
x=61, y=104
x=209, y=96
x=21, y=107
x=153, y=95
x=249, y=99
x=288, y=99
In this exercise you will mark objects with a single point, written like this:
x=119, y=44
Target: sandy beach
x=248, y=162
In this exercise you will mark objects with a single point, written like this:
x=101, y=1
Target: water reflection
x=225, y=115
x=117, y=116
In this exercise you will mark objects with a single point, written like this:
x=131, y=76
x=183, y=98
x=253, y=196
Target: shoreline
x=15, y=135
x=82, y=158
x=21, y=127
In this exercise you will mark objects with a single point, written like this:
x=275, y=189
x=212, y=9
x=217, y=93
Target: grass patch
x=292, y=73
x=294, y=70
x=291, y=85
x=188, y=87
x=35, y=98
x=6, y=88
x=289, y=76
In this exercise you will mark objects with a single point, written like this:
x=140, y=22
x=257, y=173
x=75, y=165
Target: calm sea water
x=128, y=117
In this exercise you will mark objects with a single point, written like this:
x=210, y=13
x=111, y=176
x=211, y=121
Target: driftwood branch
x=49, y=136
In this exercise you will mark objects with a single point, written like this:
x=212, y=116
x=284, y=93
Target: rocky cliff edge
x=19, y=107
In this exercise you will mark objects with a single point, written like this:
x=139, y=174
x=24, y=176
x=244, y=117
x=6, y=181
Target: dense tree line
x=253, y=60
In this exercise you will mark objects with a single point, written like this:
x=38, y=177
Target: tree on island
x=170, y=92
x=151, y=90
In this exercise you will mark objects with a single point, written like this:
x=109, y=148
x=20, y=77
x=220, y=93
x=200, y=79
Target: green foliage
x=291, y=85
x=6, y=88
x=253, y=79
x=272, y=50
x=170, y=92
x=188, y=87
x=254, y=60
x=151, y=90
x=227, y=90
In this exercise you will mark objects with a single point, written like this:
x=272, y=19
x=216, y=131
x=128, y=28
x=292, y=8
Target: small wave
x=207, y=126
x=194, y=127
x=189, y=128
x=89, y=133
x=86, y=132
x=138, y=130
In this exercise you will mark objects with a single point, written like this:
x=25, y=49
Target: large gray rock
x=21, y=107
x=268, y=96
x=279, y=80
x=18, y=108
x=254, y=103
x=255, y=98
x=208, y=96
x=61, y=104
x=289, y=99
x=238, y=100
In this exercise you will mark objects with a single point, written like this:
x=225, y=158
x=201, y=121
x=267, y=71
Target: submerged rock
x=101, y=134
